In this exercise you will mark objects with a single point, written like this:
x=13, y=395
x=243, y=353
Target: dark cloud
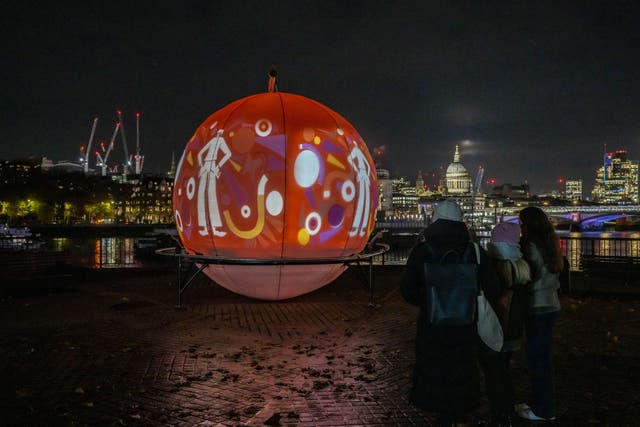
x=539, y=87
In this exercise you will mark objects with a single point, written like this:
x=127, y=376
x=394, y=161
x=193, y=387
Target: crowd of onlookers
x=519, y=275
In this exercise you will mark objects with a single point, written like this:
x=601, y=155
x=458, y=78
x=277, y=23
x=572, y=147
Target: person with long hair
x=541, y=249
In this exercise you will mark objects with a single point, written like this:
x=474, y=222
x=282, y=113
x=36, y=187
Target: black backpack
x=451, y=283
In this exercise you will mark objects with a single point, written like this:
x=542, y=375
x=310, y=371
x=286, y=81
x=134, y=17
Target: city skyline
x=488, y=181
x=432, y=179
x=536, y=90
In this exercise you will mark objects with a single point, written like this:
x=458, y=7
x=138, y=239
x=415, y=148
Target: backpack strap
x=433, y=258
x=477, y=248
x=450, y=253
x=430, y=253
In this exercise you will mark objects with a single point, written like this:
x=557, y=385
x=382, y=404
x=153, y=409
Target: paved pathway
x=116, y=352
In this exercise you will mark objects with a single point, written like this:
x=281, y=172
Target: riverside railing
x=118, y=252
x=573, y=247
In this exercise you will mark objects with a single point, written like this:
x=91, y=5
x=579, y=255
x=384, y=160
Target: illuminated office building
x=385, y=190
x=404, y=197
x=573, y=189
x=617, y=179
x=420, y=183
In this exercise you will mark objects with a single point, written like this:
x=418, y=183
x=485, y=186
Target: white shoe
x=219, y=233
x=203, y=232
x=528, y=414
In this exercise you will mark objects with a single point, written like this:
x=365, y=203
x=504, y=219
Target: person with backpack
x=515, y=276
x=446, y=379
x=541, y=249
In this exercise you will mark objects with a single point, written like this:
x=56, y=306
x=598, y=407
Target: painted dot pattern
x=275, y=175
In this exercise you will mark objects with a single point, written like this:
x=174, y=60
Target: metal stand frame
x=181, y=256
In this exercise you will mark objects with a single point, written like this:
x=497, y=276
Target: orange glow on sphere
x=273, y=176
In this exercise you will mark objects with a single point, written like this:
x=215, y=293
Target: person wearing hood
x=446, y=379
x=511, y=308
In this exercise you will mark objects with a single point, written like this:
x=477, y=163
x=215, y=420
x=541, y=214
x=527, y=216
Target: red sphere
x=275, y=176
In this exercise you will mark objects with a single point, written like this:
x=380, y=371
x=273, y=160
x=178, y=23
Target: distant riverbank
x=98, y=230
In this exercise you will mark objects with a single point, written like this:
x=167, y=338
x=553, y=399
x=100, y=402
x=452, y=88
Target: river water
x=128, y=252
x=573, y=245
x=111, y=252
x=604, y=243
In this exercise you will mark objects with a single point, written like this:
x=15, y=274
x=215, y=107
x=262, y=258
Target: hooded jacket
x=445, y=376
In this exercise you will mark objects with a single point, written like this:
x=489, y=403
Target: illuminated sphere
x=274, y=176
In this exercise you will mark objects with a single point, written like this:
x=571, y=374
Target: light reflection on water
x=120, y=252
x=606, y=243
x=573, y=245
x=100, y=252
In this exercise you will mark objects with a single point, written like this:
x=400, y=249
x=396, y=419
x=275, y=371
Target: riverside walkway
x=115, y=351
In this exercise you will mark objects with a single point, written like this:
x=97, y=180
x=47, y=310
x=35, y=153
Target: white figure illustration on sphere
x=361, y=166
x=210, y=170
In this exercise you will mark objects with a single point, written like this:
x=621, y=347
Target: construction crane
x=127, y=159
x=84, y=154
x=102, y=162
x=478, y=184
x=139, y=158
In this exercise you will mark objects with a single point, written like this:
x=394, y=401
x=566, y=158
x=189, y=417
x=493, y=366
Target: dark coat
x=445, y=376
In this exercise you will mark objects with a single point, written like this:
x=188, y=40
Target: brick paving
x=115, y=351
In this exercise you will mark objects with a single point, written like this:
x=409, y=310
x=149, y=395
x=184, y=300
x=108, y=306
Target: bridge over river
x=574, y=217
x=591, y=239
x=592, y=217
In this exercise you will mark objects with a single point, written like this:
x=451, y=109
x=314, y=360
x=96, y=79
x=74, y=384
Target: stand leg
x=181, y=289
x=179, y=282
x=371, y=282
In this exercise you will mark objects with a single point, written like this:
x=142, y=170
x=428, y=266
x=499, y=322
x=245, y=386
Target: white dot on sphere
x=263, y=132
x=306, y=168
x=178, y=221
x=348, y=191
x=274, y=203
x=326, y=194
x=313, y=216
x=245, y=211
x=340, y=131
x=191, y=188
x=179, y=191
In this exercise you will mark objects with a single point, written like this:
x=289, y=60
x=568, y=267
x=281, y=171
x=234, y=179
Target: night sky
x=534, y=88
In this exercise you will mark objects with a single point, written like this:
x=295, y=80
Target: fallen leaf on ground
x=274, y=420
